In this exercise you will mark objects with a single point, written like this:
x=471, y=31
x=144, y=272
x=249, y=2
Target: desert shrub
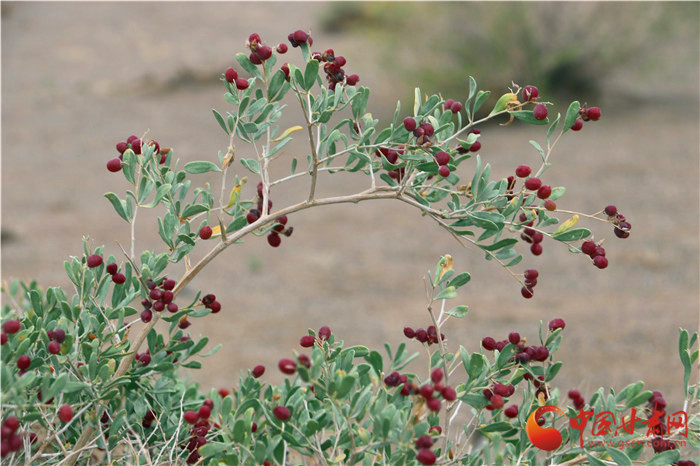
x=87, y=377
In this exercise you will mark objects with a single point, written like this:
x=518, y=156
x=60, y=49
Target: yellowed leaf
x=445, y=264
x=287, y=132
x=568, y=225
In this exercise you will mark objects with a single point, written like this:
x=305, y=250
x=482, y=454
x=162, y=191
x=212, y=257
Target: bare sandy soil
x=77, y=78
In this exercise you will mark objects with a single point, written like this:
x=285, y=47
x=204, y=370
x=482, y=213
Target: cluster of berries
x=528, y=291
x=575, y=396
x=429, y=391
x=423, y=131
x=541, y=389
x=656, y=407
x=259, y=52
x=476, y=145
x=273, y=238
x=143, y=358
x=160, y=296
x=392, y=156
x=289, y=366
x=524, y=354
x=428, y=336
x=9, y=327
x=200, y=427
x=530, y=94
x=585, y=114
x=595, y=252
x=56, y=338
x=11, y=440
x=333, y=68
x=451, y=105
x=622, y=226
x=496, y=396
x=231, y=76
x=134, y=143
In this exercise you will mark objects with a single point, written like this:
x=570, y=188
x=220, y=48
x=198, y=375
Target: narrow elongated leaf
x=201, y=166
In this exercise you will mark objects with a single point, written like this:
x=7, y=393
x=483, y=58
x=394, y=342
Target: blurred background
x=78, y=78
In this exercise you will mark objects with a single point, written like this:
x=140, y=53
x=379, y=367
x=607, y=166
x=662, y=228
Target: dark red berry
x=409, y=123
x=23, y=362
x=437, y=375
x=511, y=411
x=421, y=335
x=307, y=341
x=496, y=402
x=11, y=326
x=112, y=268
x=593, y=113
x=300, y=37
x=118, y=278
x=442, y=158
x=204, y=412
x=3, y=338
x=254, y=59
x=144, y=359
x=94, y=260
x=409, y=332
x=282, y=413
x=114, y=165
x=428, y=129
x=433, y=404
x=550, y=205
x=530, y=93
x=544, y=192
x=526, y=292
x=258, y=371
x=54, y=347
x=215, y=307
x=287, y=366
x=230, y=75
x=424, y=441
x=588, y=247
x=264, y=52
x=541, y=353
x=173, y=308
x=205, y=232
x=304, y=360
x=241, y=84
x=449, y=394
x=514, y=338
x=475, y=147
x=146, y=315
x=536, y=249
x=533, y=184
x=324, y=333
x=191, y=417
x=488, y=343
x=282, y=48
x=158, y=306
x=555, y=324
x=611, y=210
x=574, y=394
x=444, y=171
x=578, y=124
x=274, y=239
x=523, y=171
x=426, y=391
x=65, y=413
x=600, y=261
x=539, y=112
x=425, y=456
x=456, y=107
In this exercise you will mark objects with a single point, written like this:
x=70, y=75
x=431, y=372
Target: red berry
x=523, y=171
x=599, y=251
x=426, y=391
x=514, y=338
x=442, y=158
x=11, y=326
x=424, y=441
x=122, y=147
x=496, y=402
x=409, y=123
x=54, y=347
x=530, y=93
x=282, y=48
x=112, y=268
x=593, y=113
x=144, y=359
x=537, y=237
x=215, y=307
x=191, y=417
x=433, y=404
x=611, y=210
x=241, y=84
x=146, y=315
x=578, y=124
x=536, y=249
x=527, y=292
x=274, y=239
x=449, y=394
x=426, y=456
x=555, y=324
x=511, y=411
x=255, y=59
x=448, y=104
x=324, y=333
x=300, y=37
x=588, y=247
x=114, y=165
x=158, y=306
x=307, y=341
x=230, y=75
x=541, y=353
x=544, y=192
x=287, y=366
x=3, y=338
x=264, y=52
x=550, y=205
x=94, y=260
x=488, y=343
x=444, y=171
x=254, y=37
x=539, y=112
x=65, y=413
x=456, y=107
x=282, y=413
x=258, y=371
x=205, y=232
x=136, y=146
x=204, y=411
x=533, y=184
x=118, y=278
x=12, y=423
x=475, y=147
x=409, y=332
x=574, y=394
x=600, y=261
x=23, y=362
x=428, y=129
x=437, y=375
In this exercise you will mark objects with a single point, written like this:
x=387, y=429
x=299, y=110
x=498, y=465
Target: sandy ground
x=77, y=78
